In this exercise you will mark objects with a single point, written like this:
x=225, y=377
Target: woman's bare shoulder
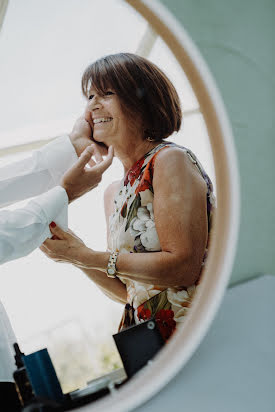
x=171, y=153
x=171, y=157
x=175, y=163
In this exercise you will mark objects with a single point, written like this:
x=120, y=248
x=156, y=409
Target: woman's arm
x=181, y=221
x=74, y=247
x=180, y=211
x=113, y=288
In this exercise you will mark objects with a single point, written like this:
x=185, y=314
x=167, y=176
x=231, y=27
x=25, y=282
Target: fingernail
x=52, y=224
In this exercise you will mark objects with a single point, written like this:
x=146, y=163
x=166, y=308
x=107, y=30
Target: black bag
x=138, y=344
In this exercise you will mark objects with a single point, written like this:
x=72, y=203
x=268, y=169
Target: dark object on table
x=46, y=394
x=42, y=376
x=9, y=401
x=21, y=379
x=138, y=344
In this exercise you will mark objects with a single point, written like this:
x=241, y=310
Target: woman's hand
x=82, y=136
x=65, y=247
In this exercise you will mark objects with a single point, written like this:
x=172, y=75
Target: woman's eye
x=91, y=96
x=108, y=93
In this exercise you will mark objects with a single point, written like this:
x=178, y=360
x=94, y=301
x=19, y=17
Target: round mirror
x=157, y=35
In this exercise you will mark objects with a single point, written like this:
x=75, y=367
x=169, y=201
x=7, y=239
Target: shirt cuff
x=54, y=204
x=60, y=155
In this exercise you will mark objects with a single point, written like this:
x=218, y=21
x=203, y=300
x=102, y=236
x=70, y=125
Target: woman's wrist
x=91, y=259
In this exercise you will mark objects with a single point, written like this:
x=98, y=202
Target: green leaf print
x=133, y=210
x=158, y=302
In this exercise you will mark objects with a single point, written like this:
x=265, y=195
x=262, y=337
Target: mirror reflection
x=158, y=196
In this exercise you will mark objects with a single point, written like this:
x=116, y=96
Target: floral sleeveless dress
x=132, y=230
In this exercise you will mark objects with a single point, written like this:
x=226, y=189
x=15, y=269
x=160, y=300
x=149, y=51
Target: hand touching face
x=81, y=137
x=79, y=180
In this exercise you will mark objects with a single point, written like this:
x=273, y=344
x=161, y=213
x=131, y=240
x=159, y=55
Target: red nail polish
x=52, y=224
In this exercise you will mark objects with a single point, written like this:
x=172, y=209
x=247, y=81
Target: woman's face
x=107, y=119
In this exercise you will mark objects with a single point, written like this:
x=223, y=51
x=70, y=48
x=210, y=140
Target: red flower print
x=164, y=315
x=152, y=161
x=146, y=180
x=166, y=323
x=143, y=314
x=133, y=173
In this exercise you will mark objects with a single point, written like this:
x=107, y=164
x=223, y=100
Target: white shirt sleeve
x=37, y=173
x=23, y=230
x=6, y=349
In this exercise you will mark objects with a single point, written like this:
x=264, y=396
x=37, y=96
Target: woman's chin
x=100, y=141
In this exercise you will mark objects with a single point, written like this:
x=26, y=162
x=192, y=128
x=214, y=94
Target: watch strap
x=111, y=267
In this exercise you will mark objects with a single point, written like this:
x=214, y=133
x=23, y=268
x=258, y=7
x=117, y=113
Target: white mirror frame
x=225, y=231
x=226, y=226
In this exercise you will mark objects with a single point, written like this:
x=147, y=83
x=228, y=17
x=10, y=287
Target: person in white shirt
x=44, y=175
x=24, y=229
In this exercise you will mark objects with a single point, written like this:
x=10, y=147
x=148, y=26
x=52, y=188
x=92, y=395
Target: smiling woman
x=72, y=325
x=148, y=102
x=159, y=215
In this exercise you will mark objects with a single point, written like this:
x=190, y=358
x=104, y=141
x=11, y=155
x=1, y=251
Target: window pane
x=45, y=45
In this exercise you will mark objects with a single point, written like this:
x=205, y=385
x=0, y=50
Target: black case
x=138, y=344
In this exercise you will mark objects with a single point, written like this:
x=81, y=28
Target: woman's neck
x=130, y=153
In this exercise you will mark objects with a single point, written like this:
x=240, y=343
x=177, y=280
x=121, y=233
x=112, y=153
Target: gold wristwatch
x=111, y=267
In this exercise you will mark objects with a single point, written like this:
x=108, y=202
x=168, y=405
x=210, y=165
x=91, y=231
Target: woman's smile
x=103, y=127
x=101, y=120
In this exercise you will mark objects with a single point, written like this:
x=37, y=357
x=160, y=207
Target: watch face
x=111, y=271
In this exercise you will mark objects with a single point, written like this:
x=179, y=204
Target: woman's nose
x=95, y=103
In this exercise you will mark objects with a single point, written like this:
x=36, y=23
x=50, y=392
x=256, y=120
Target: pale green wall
x=237, y=40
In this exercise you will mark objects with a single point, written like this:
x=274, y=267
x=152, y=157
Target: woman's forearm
x=113, y=288
x=159, y=268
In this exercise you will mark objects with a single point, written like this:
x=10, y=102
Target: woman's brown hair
x=144, y=91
